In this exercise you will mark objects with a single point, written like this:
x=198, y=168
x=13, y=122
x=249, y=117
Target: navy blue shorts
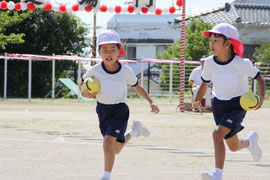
x=113, y=120
x=229, y=114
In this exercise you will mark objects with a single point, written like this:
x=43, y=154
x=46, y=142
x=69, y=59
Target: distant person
x=229, y=74
x=195, y=82
x=112, y=110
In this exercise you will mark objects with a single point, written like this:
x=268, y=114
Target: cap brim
x=109, y=42
x=207, y=33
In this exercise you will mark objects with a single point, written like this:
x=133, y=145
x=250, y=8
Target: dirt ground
x=60, y=140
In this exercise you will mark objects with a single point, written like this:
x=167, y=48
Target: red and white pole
x=182, y=57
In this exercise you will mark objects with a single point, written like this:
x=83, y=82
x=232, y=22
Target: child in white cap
x=229, y=74
x=112, y=110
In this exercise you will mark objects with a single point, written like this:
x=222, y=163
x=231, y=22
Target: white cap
x=226, y=29
x=108, y=37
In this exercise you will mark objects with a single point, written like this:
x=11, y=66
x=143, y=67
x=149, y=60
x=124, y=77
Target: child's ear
x=228, y=43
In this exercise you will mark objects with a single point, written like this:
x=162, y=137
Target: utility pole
x=94, y=50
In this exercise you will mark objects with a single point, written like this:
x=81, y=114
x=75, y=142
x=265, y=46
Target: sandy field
x=60, y=140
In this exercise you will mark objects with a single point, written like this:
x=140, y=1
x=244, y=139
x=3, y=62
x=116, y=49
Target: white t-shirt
x=230, y=79
x=113, y=85
x=195, y=75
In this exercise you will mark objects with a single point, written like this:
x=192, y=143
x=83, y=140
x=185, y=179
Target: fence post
x=78, y=79
x=5, y=77
x=29, y=78
x=171, y=80
x=141, y=75
x=53, y=78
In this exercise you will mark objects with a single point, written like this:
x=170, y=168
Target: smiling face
x=109, y=53
x=219, y=45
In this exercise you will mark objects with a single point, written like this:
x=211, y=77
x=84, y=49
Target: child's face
x=109, y=53
x=218, y=45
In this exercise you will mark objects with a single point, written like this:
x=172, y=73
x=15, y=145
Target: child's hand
x=260, y=103
x=86, y=94
x=197, y=105
x=154, y=108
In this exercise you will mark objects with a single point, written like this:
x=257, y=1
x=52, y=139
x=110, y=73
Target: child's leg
x=218, y=136
x=109, y=154
x=235, y=144
x=119, y=146
x=137, y=130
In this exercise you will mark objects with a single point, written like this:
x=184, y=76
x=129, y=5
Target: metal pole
x=5, y=77
x=141, y=76
x=29, y=78
x=182, y=58
x=142, y=73
x=171, y=78
x=94, y=51
x=78, y=79
x=148, y=74
x=53, y=78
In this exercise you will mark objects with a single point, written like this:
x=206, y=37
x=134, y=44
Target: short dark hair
x=118, y=46
x=225, y=39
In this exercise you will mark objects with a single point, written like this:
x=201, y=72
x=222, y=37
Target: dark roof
x=236, y=13
x=147, y=40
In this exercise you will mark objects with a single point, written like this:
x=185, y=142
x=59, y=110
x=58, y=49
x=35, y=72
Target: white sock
x=219, y=171
x=133, y=133
x=106, y=174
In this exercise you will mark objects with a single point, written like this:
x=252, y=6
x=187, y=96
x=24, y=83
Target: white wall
x=146, y=52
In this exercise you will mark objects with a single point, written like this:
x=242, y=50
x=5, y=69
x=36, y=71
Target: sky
x=192, y=7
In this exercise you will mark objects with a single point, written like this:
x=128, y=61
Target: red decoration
x=158, y=11
x=118, y=9
x=122, y=51
x=144, y=10
x=103, y=8
x=179, y=3
x=88, y=8
x=4, y=5
x=172, y=9
x=131, y=8
x=62, y=9
x=75, y=7
x=31, y=6
x=47, y=6
x=18, y=7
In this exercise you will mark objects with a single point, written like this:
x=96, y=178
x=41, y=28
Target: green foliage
x=262, y=53
x=46, y=33
x=8, y=19
x=196, y=46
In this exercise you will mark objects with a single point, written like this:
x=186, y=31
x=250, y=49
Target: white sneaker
x=105, y=178
x=138, y=127
x=211, y=176
x=254, y=149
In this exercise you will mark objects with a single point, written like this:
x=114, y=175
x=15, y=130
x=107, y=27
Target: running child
x=229, y=74
x=112, y=110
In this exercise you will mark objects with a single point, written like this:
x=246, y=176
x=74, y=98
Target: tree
x=262, y=53
x=196, y=46
x=46, y=33
x=8, y=19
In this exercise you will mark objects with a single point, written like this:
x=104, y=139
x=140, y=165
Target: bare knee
x=108, y=145
x=217, y=135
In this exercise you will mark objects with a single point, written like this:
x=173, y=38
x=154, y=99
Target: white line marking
x=129, y=145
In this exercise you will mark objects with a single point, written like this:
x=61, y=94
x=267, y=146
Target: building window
x=160, y=50
x=131, y=52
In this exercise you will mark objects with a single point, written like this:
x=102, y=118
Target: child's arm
x=84, y=92
x=201, y=92
x=143, y=93
x=261, y=85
